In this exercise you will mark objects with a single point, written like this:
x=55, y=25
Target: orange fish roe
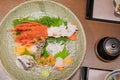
x=50, y=60
x=29, y=32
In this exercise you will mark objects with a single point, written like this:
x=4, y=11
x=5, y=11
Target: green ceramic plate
x=36, y=9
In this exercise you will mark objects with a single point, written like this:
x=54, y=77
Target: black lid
x=111, y=46
x=108, y=48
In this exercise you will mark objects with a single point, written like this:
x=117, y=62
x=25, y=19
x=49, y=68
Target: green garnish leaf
x=65, y=23
x=45, y=20
x=57, y=40
x=52, y=21
x=16, y=22
x=19, y=21
x=45, y=52
x=63, y=54
x=23, y=20
x=57, y=21
x=26, y=52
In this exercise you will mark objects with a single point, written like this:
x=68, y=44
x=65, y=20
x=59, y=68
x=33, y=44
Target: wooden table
x=94, y=30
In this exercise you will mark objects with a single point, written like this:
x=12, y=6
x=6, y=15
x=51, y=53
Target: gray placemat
x=3, y=75
x=105, y=9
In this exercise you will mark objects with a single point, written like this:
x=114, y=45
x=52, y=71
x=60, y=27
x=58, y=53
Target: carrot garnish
x=73, y=37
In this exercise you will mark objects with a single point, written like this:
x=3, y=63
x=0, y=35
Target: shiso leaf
x=23, y=20
x=63, y=54
x=52, y=21
x=57, y=40
x=45, y=20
